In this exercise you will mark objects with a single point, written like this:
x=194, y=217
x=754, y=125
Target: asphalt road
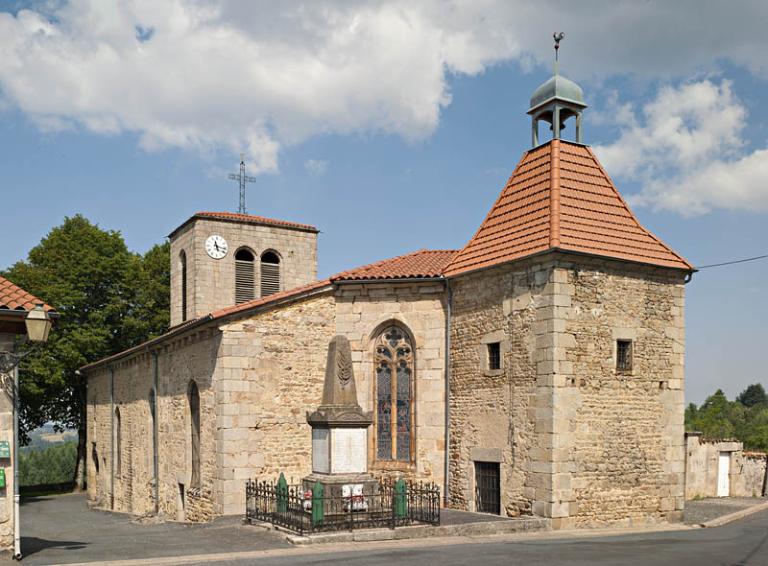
x=61, y=529
x=742, y=543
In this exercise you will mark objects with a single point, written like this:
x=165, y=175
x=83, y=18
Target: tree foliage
x=753, y=395
x=745, y=419
x=108, y=299
x=52, y=464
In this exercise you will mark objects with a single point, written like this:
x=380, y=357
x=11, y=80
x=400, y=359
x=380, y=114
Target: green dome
x=558, y=87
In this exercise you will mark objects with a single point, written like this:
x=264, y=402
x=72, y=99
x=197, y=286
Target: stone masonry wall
x=621, y=435
x=270, y=372
x=582, y=445
x=211, y=282
x=755, y=474
x=364, y=310
x=493, y=412
x=99, y=442
x=746, y=474
x=130, y=488
x=6, y=434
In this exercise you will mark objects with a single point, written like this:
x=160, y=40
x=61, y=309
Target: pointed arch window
x=270, y=273
x=244, y=276
x=394, y=387
x=194, y=425
x=183, y=265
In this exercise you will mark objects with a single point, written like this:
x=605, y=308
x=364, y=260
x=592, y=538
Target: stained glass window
x=394, y=395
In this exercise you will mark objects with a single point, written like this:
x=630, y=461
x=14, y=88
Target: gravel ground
x=702, y=510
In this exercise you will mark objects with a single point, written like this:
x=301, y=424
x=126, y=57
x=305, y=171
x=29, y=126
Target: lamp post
x=38, y=325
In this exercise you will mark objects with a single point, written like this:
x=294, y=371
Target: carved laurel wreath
x=344, y=367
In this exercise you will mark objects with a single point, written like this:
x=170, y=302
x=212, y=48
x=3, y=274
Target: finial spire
x=555, y=101
x=558, y=35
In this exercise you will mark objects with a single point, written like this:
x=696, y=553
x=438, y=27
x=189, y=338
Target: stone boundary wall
x=755, y=474
x=747, y=470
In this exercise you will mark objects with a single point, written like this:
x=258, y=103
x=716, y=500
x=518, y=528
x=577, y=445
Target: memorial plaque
x=321, y=450
x=348, y=451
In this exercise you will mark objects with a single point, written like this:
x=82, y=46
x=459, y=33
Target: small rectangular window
x=623, y=356
x=494, y=355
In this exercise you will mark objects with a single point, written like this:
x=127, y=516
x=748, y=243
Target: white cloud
x=686, y=150
x=262, y=75
x=316, y=167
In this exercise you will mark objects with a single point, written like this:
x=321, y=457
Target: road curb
x=506, y=526
x=735, y=516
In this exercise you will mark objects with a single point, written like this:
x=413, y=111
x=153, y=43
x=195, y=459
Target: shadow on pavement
x=31, y=545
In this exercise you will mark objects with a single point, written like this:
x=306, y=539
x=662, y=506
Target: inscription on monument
x=348, y=447
x=321, y=450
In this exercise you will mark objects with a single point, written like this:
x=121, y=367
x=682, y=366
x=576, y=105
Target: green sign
x=5, y=449
x=2, y=477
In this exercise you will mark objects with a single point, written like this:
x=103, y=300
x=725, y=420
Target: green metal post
x=318, y=504
x=401, y=507
x=282, y=494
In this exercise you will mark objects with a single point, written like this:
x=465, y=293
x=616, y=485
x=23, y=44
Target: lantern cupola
x=555, y=101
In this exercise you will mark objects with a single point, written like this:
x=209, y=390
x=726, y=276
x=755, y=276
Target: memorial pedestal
x=340, y=431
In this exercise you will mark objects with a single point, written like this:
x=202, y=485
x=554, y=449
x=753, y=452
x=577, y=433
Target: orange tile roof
x=419, y=264
x=559, y=197
x=13, y=297
x=247, y=219
x=276, y=297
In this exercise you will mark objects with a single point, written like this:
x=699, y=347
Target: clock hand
x=215, y=245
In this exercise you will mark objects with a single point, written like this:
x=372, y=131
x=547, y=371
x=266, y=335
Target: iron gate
x=487, y=487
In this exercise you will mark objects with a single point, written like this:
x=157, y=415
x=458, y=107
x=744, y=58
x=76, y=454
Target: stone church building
x=537, y=370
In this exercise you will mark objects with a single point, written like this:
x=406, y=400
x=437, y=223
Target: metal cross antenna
x=242, y=178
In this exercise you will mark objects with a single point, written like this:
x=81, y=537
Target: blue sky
x=391, y=141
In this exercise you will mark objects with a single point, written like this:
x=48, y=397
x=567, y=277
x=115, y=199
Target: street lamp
x=38, y=324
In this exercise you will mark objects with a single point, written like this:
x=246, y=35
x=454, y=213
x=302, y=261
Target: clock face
x=216, y=246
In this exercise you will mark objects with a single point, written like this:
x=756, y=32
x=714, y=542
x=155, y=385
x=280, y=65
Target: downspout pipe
x=155, y=444
x=447, y=410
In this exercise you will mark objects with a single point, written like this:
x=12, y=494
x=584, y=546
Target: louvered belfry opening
x=244, y=277
x=270, y=273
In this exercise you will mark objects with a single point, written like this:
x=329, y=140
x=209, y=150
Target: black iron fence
x=391, y=505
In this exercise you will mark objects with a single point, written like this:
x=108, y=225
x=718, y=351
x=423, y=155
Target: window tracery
x=394, y=361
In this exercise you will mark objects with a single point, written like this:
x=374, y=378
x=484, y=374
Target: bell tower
x=222, y=259
x=555, y=101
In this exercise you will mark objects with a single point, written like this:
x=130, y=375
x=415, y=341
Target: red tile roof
x=247, y=219
x=13, y=297
x=419, y=264
x=274, y=298
x=560, y=197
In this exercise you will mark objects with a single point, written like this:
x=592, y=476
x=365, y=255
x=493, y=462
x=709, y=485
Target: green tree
x=102, y=293
x=753, y=395
x=713, y=418
x=719, y=418
x=149, y=314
